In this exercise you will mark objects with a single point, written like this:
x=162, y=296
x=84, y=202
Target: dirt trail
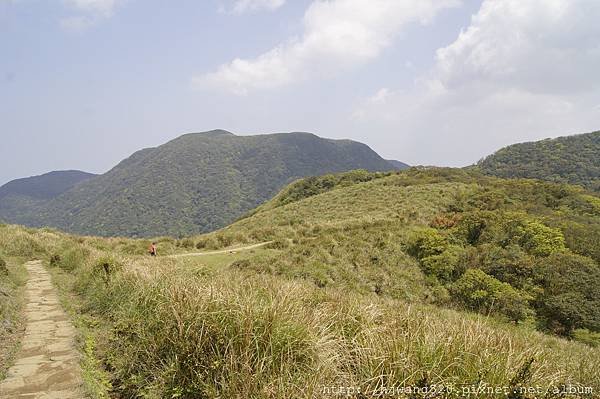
x=225, y=251
x=47, y=366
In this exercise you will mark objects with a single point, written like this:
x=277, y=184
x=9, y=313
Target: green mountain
x=571, y=159
x=45, y=186
x=195, y=183
x=398, y=165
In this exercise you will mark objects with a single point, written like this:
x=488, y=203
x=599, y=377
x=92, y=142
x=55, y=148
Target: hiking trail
x=47, y=366
x=224, y=251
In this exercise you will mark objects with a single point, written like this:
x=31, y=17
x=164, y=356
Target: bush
x=426, y=242
x=73, y=258
x=107, y=267
x=472, y=226
x=3, y=267
x=185, y=243
x=443, y=265
x=279, y=243
x=511, y=264
x=207, y=243
x=55, y=260
x=537, y=238
x=481, y=292
x=587, y=337
x=570, y=298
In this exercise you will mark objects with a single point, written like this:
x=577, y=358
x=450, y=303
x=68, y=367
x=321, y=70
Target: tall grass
x=176, y=333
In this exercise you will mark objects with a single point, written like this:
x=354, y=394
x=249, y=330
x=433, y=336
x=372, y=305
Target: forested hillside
x=196, y=183
x=571, y=159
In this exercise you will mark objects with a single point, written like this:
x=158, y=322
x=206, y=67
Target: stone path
x=47, y=366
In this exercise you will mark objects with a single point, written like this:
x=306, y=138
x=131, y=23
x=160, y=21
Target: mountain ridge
x=194, y=183
x=45, y=186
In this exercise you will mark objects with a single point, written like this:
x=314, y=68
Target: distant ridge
x=46, y=186
x=195, y=183
x=397, y=164
x=570, y=159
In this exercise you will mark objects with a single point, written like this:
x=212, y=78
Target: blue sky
x=84, y=83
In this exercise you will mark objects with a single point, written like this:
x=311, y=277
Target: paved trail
x=225, y=251
x=47, y=366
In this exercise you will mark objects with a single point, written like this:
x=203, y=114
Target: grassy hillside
x=376, y=282
x=198, y=182
x=571, y=159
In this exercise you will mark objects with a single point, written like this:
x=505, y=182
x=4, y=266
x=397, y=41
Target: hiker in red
x=152, y=249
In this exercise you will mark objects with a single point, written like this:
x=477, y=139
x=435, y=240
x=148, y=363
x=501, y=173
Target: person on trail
x=152, y=249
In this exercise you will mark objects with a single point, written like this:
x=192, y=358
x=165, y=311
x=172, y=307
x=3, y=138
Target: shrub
x=443, y=265
x=73, y=257
x=107, y=267
x=445, y=221
x=279, y=243
x=3, y=267
x=426, y=242
x=587, y=337
x=511, y=264
x=207, y=243
x=472, y=226
x=537, y=238
x=481, y=292
x=570, y=298
x=185, y=243
x=55, y=260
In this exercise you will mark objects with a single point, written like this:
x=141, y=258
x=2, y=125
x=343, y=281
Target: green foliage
x=315, y=185
x=3, y=267
x=55, y=260
x=443, y=265
x=586, y=336
x=538, y=239
x=107, y=267
x=570, y=298
x=511, y=264
x=46, y=186
x=73, y=257
x=279, y=243
x=341, y=297
x=427, y=242
x=482, y=292
x=571, y=159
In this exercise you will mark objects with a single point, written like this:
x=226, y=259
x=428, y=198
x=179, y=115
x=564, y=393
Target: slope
x=377, y=282
x=46, y=186
x=20, y=199
x=571, y=159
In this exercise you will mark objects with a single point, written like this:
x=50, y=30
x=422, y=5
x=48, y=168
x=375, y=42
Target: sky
x=85, y=83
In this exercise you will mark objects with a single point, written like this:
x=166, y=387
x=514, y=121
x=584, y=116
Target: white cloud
x=242, y=6
x=77, y=23
x=521, y=70
x=91, y=12
x=99, y=7
x=337, y=34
